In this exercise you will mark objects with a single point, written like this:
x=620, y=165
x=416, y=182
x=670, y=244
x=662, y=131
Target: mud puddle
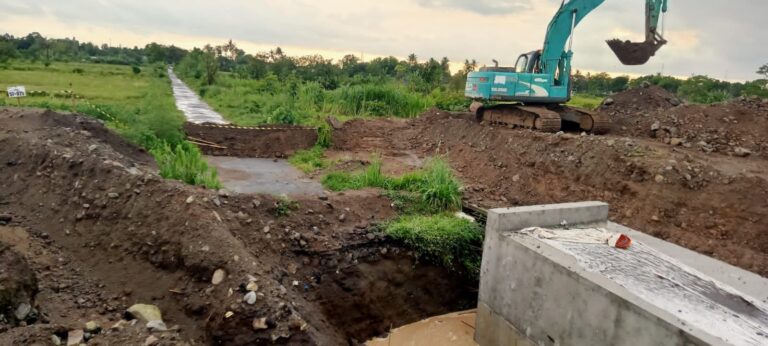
x=268, y=176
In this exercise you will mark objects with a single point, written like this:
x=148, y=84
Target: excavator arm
x=555, y=58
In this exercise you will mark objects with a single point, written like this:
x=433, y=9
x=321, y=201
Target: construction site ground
x=91, y=229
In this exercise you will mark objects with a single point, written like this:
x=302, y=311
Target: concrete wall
x=531, y=292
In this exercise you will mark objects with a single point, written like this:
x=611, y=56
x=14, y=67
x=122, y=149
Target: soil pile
x=102, y=232
x=265, y=141
x=736, y=127
x=716, y=207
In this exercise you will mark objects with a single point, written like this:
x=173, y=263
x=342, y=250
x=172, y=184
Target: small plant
x=439, y=188
x=184, y=162
x=309, y=160
x=324, y=136
x=78, y=70
x=136, y=70
x=445, y=239
x=284, y=206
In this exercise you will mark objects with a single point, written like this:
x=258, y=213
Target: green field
x=138, y=106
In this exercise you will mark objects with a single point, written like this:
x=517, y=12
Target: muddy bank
x=713, y=204
x=107, y=232
x=265, y=141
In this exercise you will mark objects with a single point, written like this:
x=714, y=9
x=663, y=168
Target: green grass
x=445, y=239
x=309, y=160
x=585, y=101
x=138, y=107
x=435, y=186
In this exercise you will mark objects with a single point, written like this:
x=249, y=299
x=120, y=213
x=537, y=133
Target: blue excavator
x=533, y=93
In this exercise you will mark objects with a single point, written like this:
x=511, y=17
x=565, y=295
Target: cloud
x=705, y=36
x=485, y=7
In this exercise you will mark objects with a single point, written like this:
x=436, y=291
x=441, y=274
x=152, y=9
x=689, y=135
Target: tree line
x=424, y=76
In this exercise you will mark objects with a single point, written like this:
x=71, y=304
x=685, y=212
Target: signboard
x=17, y=91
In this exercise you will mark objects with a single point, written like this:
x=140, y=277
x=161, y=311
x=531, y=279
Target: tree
x=763, y=70
x=210, y=64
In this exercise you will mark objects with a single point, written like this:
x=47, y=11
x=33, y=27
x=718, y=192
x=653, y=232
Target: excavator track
x=542, y=118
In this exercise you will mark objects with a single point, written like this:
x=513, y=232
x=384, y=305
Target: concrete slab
x=269, y=176
x=558, y=293
x=188, y=102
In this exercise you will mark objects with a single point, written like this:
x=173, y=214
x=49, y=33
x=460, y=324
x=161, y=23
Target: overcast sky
x=723, y=39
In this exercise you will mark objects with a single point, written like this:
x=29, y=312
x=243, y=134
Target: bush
x=324, y=136
x=439, y=189
x=78, y=70
x=137, y=70
x=447, y=240
x=184, y=162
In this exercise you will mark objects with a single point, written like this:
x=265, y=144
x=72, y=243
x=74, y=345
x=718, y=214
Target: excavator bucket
x=635, y=53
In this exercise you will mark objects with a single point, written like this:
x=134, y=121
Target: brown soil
x=721, y=128
x=265, y=141
x=716, y=205
x=102, y=231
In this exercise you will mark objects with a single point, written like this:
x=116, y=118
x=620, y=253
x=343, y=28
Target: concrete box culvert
x=548, y=292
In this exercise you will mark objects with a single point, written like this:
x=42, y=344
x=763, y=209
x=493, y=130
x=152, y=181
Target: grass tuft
x=447, y=240
x=309, y=160
x=185, y=163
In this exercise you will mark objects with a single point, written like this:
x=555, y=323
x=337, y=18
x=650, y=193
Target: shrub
x=137, y=70
x=447, y=240
x=78, y=70
x=184, y=162
x=439, y=188
x=324, y=136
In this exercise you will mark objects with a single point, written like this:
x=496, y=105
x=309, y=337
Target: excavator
x=533, y=93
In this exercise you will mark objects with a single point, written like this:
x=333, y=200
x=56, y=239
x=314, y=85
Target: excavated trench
x=106, y=232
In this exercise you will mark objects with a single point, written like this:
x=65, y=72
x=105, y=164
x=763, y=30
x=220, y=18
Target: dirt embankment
x=736, y=128
x=101, y=232
x=713, y=204
x=265, y=141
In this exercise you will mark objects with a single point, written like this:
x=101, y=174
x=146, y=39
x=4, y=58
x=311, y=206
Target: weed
x=284, y=206
x=184, y=162
x=439, y=188
x=309, y=160
x=450, y=241
x=324, y=136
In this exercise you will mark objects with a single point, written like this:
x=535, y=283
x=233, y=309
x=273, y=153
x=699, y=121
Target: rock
x=516, y=178
x=655, y=218
x=224, y=193
x=608, y=101
x=22, y=311
x=323, y=197
x=146, y=312
x=645, y=84
x=674, y=101
x=156, y=326
x=55, y=340
x=742, y=152
x=659, y=178
x=256, y=203
x=92, y=327
x=655, y=126
x=75, y=337
x=370, y=236
x=250, y=298
x=151, y=341
x=242, y=216
x=113, y=195
x=252, y=286
x=6, y=217
x=218, y=276
x=675, y=141
x=190, y=199
x=342, y=217
x=260, y=323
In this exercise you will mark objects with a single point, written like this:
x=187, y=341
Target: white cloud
x=706, y=36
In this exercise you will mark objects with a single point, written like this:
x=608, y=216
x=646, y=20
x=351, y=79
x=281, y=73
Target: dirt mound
x=716, y=207
x=735, y=127
x=639, y=100
x=265, y=141
x=18, y=288
x=106, y=232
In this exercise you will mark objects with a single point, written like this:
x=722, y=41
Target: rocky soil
x=711, y=201
x=101, y=232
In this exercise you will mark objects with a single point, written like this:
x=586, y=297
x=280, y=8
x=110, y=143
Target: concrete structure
x=547, y=292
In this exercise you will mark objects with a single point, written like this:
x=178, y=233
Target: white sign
x=17, y=91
